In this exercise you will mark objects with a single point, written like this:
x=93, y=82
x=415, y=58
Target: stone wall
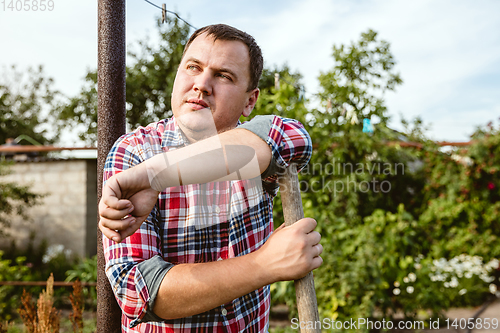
x=67, y=214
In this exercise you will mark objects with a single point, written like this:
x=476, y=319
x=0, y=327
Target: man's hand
x=128, y=197
x=292, y=252
x=127, y=200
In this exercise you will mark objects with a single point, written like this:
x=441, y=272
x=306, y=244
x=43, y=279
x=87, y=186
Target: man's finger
x=319, y=249
x=316, y=262
x=314, y=237
x=115, y=214
x=109, y=233
x=117, y=225
x=111, y=196
x=307, y=224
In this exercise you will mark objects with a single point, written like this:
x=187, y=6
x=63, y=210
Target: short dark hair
x=226, y=32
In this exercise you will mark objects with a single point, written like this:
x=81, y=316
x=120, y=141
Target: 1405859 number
x=472, y=323
x=27, y=5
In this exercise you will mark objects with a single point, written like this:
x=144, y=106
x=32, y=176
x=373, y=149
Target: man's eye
x=224, y=76
x=192, y=67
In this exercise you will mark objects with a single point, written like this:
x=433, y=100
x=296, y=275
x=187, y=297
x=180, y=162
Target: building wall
x=67, y=214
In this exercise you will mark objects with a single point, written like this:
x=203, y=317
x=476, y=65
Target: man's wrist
x=261, y=270
x=160, y=173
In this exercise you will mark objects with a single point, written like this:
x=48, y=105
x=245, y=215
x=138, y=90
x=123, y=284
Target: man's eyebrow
x=219, y=70
x=196, y=61
x=227, y=70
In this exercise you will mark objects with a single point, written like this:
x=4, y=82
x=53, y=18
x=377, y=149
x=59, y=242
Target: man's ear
x=252, y=99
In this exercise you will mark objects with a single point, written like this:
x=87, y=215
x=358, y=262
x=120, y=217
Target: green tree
x=149, y=84
x=14, y=199
x=462, y=197
x=385, y=212
x=286, y=100
x=26, y=102
x=352, y=175
x=362, y=73
x=351, y=93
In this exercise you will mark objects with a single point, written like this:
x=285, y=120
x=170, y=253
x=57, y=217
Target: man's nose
x=203, y=83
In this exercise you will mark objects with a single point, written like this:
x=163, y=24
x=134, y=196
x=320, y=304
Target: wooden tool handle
x=307, y=304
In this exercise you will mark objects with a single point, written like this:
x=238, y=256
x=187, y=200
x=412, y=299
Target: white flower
x=493, y=288
x=409, y=290
x=454, y=282
x=52, y=252
x=467, y=265
x=462, y=292
x=406, y=279
x=486, y=278
x=412, y=277
x=396, y=291
x=418, y=266
x=68, y=253
x=441, y=277
x=493, y=264
x=441, y=263
x=447, y=284
x=396, y=284
x=468, y=275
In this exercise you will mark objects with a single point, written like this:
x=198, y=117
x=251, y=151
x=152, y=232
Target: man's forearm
x=232, y=155
x=289, y=254
x=189, y=289
x=135, y=190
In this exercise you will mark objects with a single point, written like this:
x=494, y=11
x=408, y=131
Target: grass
x=66, y=326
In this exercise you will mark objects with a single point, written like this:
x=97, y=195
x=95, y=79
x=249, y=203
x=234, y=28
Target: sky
x=447, y=52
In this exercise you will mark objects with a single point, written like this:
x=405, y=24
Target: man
x=194, y=255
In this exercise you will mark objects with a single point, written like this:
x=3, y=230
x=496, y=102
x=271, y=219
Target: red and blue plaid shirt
x=197, y=223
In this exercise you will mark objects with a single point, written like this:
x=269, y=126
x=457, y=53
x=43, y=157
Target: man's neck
x=190, y=137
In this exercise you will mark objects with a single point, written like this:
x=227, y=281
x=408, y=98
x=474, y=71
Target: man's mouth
x=197, y=104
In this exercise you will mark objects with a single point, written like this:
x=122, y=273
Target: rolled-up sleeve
x=135, y=266
x=288, y=140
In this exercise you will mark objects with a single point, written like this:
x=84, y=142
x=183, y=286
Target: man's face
x=212, y=75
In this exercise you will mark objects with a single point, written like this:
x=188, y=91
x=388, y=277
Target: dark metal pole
x=110, y=126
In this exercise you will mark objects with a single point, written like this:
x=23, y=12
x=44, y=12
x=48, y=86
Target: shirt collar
x=172, y=135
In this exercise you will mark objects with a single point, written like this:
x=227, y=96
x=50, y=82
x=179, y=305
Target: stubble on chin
x=197, y=124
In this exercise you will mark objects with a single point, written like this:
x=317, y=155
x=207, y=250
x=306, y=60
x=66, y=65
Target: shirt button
x=224, y=311
x=217, y=209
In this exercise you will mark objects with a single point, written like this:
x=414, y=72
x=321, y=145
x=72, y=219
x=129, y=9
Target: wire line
x=171, y=12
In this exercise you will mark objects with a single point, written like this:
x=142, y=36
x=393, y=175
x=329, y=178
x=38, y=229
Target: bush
x=9, y=296
x=383, y=247
x=37, y=267
x=85, y=271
